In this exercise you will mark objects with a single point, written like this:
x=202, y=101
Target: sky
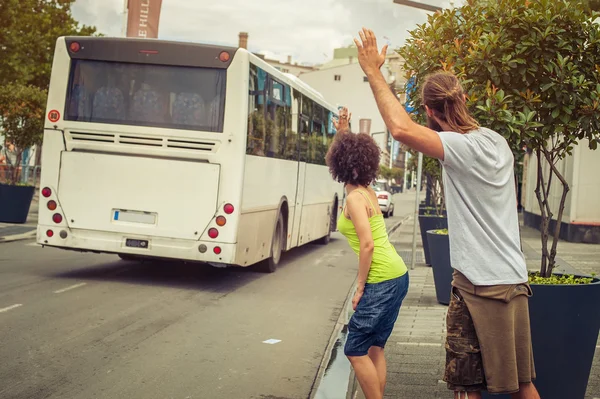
x=308, y=30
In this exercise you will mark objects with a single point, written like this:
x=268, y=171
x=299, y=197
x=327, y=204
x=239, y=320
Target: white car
x=384, y=197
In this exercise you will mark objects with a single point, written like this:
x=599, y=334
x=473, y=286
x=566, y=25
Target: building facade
x=581, y=218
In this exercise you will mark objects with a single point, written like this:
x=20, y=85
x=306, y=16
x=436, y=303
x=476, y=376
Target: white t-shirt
x=481, y=202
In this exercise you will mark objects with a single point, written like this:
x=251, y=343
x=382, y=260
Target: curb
x=18, y=237
x=339, y=325
x=400, y=223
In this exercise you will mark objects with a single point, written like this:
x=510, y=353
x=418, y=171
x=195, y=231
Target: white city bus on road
x=156, y=149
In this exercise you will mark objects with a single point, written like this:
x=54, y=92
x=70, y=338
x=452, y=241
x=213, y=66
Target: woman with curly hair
x=353, y=159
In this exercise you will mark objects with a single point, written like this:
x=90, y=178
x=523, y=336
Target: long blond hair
x=444, y=95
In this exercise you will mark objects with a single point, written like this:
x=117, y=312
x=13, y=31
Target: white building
x=581, y=218
x=342, y=82
x=285, y=67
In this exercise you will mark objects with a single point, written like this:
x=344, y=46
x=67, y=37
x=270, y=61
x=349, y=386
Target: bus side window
x=278, y=107
x=255, y=144
x=319, y=139
x=306, y=121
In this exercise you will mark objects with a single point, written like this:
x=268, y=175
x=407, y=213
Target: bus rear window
x=146, y=95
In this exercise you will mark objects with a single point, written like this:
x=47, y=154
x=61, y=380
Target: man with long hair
x=488, y=343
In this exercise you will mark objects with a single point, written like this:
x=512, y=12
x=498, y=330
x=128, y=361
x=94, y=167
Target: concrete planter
x=565, y=320
x=427, y=223
x=15, y=202
x=439, y=252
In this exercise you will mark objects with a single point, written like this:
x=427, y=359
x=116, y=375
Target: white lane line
x=11, y=307
x=72, y=287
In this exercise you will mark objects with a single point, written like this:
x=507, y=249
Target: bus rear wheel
x=277, y=244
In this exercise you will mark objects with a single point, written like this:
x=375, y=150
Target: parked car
x=384, y=197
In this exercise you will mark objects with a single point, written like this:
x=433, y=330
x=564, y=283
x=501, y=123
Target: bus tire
x=277, y=247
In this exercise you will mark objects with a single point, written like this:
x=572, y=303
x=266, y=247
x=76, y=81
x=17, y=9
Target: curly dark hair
x=354, y=158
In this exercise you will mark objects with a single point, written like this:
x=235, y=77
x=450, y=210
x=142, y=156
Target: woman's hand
x=343, y=122
x=357, y=296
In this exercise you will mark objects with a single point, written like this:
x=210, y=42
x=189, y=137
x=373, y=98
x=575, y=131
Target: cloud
x=308, y=30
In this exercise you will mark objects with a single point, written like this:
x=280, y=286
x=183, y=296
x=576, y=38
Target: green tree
x=397, y=174
x=385, y=172
x=531, y=69
x=28, y=36
x=22, y=111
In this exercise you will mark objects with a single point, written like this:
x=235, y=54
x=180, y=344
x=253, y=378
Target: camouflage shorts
x=464, y=365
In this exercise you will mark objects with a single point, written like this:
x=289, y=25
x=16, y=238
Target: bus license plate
x=120, y=215
x=136, y=243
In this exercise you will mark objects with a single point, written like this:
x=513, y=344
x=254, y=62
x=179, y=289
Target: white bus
x=156, y=149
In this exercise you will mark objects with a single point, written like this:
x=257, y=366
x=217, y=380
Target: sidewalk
x=14, y=232
x=415, y=351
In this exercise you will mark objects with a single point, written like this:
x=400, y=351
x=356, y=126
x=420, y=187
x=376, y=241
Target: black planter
x=427, y=223
x=439, y=252
x=565, y=320
x=425, y=210
x=15, y=202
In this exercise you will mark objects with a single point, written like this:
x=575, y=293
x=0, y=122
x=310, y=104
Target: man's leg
x=367, y=376
x=526, y=391
x=378, y=358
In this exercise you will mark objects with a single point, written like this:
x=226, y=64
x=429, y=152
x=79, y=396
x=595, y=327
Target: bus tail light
x=221, y=221
x=228, y=208
x=46, y=192
x=57, y=218
x=217, y=250
x=224, y=56
x=74, y=47
x=213, y=233
x=50, y=233
x=52, y=205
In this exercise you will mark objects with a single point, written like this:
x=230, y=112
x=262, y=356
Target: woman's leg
x=367, y=376
x=378, y=358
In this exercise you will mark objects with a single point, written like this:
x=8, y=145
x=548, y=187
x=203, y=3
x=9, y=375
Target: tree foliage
x=22, y=111
x=531, y=71
x=28, y=37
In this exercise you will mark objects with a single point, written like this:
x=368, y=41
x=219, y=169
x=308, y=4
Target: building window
x=285, y=70
x=365, y=79
x=337, y=78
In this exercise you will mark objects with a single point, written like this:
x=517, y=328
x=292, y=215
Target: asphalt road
x=91, y=326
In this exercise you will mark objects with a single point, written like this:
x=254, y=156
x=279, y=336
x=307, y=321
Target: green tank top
x=386, y=263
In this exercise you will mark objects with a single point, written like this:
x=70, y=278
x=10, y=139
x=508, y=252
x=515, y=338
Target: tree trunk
x=561, y=208
x=545, y=213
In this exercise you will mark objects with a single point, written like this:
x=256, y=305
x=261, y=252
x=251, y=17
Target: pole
x=125, y=16
x=417, y=190
x=416, y=4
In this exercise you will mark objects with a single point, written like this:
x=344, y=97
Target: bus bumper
x=148, y=246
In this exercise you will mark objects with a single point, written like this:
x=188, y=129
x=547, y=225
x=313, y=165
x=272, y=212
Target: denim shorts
x=375, y=316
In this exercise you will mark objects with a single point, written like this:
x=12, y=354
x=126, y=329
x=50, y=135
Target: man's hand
x=369, y=57
x=343, y=123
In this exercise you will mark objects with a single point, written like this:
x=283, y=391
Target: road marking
x=272, y=341
x=72, y=287
x=11, y=307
